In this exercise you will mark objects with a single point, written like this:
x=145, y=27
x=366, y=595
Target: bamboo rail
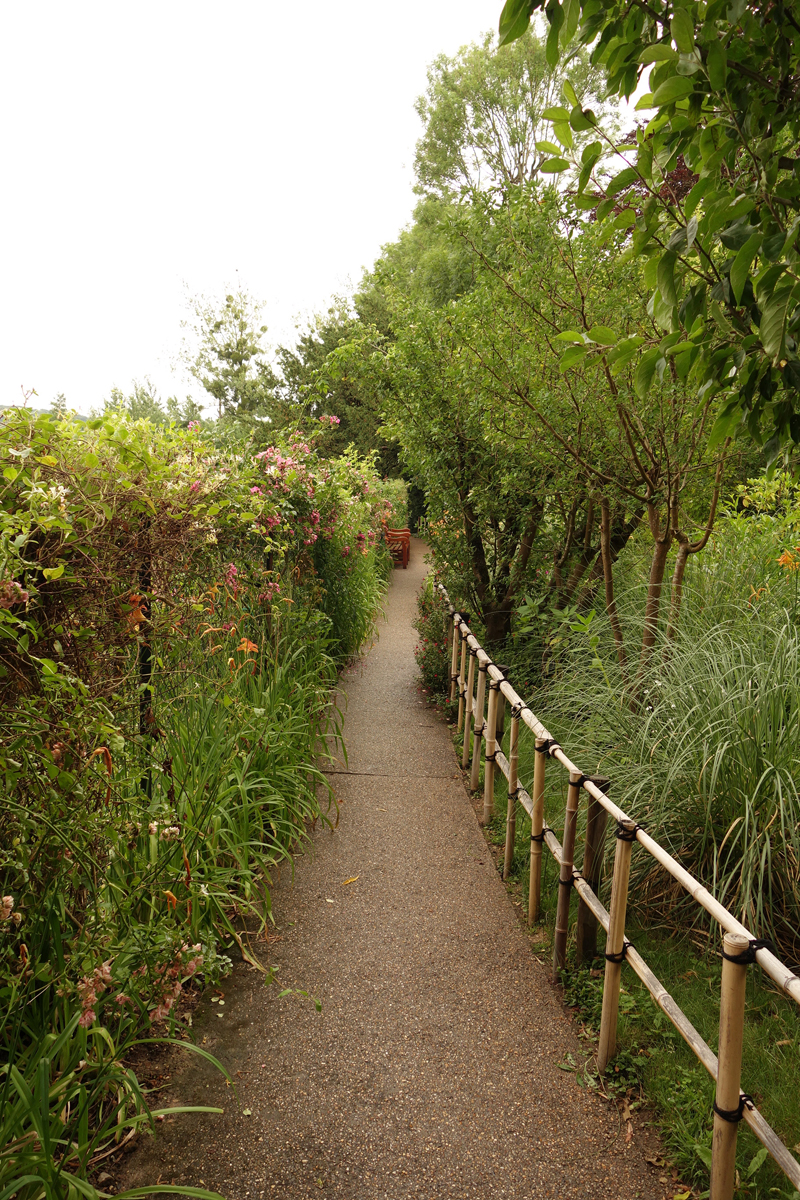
x=739, y=944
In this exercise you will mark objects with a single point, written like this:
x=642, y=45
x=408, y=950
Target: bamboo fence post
x=586, y=927
x=470, y=709
x=461, y=696
x=565, y=880
x=500, y=726
x=537, y=836
x=728, y=1105
x=454, y=660
x=615, y=943
x=477, y=728
x=491, y=750
x=511, y=813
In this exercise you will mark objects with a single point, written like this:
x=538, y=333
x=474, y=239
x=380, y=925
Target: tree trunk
x=498, y=625
x=652, y=606
x=677, y=589
x=608, y=578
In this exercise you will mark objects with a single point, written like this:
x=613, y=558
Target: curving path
x=432, y=1070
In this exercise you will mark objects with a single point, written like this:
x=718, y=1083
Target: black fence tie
x=473, y=650
x=579, y=782
x=623, y=954
x=539, y=837
x=627, y=835
x=517, y=709
x=749, y=955
x=548, y=746
x=734, y=1115
x=513, y=795
x=455, y=675
x=490, y=757
x=571, y=881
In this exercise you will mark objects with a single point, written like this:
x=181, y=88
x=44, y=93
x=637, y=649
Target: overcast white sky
x=155, y=145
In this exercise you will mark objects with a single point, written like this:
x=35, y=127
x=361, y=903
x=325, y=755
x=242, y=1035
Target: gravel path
x=432, y=1069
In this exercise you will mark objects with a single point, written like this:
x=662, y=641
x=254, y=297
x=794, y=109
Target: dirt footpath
x=432, y=1069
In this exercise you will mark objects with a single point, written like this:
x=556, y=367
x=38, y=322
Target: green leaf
x=514, y=20
x=675, y=88
x=717, y=66
x=666, y=277
x=682, y=29
x=569, y=335
x=591, y=153
x=582, y=119
x=603, y=335
x=622, y=181
x=555, y=15
x=548, y=147
x=54, y=572
x=645, y=101
x=742, y=263
x=568, y=92
x=773, y=321
x=585, y=203
x=10, y=473
x=645, y=372
x=572, y=356
x=555, y=114
x=552, y=166
x=658, y=53
x=564, y=134
x=757, y=1162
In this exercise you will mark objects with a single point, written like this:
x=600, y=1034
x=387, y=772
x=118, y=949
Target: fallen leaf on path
x=352, y=879
x=329, y=901
x=629, y=1133
x=246, y=1112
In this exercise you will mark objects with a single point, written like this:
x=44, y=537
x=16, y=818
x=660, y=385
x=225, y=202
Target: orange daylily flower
x=172, y=900
x=247, y=647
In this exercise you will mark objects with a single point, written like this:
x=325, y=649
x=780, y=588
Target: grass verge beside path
x=654, y=1070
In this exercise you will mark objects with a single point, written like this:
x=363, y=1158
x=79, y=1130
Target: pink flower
x=193, y=426
x=195, y=487
x=87, y=1018
x=256, y=491
x=12, y=593
x=6, y=908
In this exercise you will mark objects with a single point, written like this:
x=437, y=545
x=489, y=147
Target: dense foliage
x=172, y=616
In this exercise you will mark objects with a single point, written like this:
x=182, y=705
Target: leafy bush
x=168, y=646
x=430, y=651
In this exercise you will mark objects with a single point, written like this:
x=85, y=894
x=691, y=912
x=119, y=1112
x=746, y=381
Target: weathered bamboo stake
x=454, y=661
x=586, y=926
x=511, y=814
x=477, y=728
x=461, y=697
x=537, y=825
x=615, y=943
x=565, y=876
x=491, y=747
x=731, y=1035
x=470, y=707
x=500, y=726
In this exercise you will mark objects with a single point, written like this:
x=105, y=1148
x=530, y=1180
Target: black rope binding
x=473, y=650
x=539, y=837
x=627, y=835
x=623, y=954
x=517, y=709
x=490, y=757
x=549, y=746
x=579, y=782
x=568, y=883
x=749, y=955
x=734, y=1115
x=513, y=795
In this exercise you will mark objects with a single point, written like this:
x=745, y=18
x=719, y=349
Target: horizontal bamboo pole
x=786, y=980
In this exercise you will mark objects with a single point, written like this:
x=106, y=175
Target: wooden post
x=477, y=728
x=470, y=706
x=731, y=1034
x=501, y=710
x=586, y=927
x=626, y=833
x=565, y=876
x=454, y=661
x=537, y=825
x=491, y=747
x=511, y=813
x=461, y=682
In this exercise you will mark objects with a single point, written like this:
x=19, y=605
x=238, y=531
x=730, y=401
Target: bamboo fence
x=740, y=947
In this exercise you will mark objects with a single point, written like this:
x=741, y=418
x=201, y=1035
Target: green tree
x=224, y=353
x=483, y=113
x=722, y=261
